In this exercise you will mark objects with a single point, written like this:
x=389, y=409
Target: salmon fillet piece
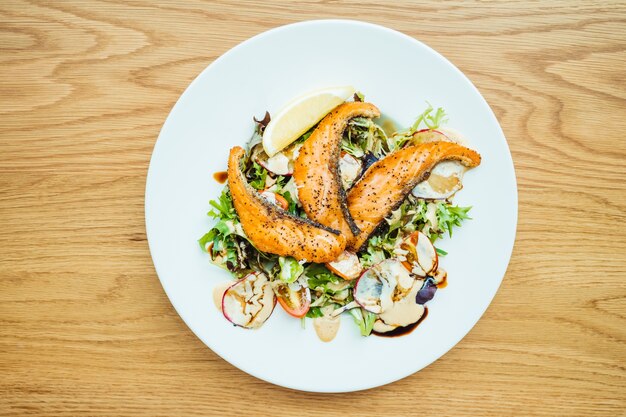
x=384, y=186
x=274, y=230
x=316, y=169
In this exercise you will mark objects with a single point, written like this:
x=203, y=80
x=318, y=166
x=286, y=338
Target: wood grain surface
x=85, y=327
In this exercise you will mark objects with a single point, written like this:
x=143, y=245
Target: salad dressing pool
x=326, y=327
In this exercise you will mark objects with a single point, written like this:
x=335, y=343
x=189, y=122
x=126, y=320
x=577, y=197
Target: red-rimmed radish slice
x=367, y=291
x=293, y=298
x=278, y=164
x=249, y=302
x=421, y=255
x=429, y=135
x=275, y=199
x=350, y=168
x=454, y=136
x=376, y=287
x=347, y=266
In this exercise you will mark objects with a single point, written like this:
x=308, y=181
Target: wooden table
x=87, y=329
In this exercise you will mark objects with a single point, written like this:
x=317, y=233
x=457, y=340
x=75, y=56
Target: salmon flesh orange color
x=316, y=169
x=274, y=230
x=386, y=183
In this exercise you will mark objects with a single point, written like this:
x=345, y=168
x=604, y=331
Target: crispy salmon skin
x=388, y=181
x=316, y=170
x=274, y=230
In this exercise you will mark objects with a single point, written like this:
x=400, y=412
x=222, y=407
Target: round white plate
x=398, y=74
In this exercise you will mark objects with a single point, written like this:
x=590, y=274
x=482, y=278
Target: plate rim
x=246, y=43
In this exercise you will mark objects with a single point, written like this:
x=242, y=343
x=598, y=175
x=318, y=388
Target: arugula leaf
x=223, y=206
x=206, y=239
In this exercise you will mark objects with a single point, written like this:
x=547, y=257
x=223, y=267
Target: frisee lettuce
x=224, y=206
x=257, y=176
x=450, y=216
x=432, y=121
x=426, y=120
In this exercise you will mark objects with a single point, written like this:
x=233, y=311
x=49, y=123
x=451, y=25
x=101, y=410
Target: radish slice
x=368, y=290
x=426, y=254
x=421, y=257
x=249, y=302
x=429, y=135
x=378, y=287
x=347, y=265
x=279, y=164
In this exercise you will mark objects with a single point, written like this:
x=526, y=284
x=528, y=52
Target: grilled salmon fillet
x=383, y=187
x=274, y=230
x=316, y=169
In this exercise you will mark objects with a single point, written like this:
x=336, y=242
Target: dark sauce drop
x=221, y=176
x=401, y=331
x=443, y=283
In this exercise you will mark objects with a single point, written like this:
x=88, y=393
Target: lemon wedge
x=300, y=115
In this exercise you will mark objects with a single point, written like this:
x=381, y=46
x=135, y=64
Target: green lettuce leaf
x=290, y=269
x=364, y=319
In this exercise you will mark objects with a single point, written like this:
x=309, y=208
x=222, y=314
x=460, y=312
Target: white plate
x=398, y=74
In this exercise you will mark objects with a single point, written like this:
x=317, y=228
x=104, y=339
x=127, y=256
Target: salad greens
x=229, y=247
